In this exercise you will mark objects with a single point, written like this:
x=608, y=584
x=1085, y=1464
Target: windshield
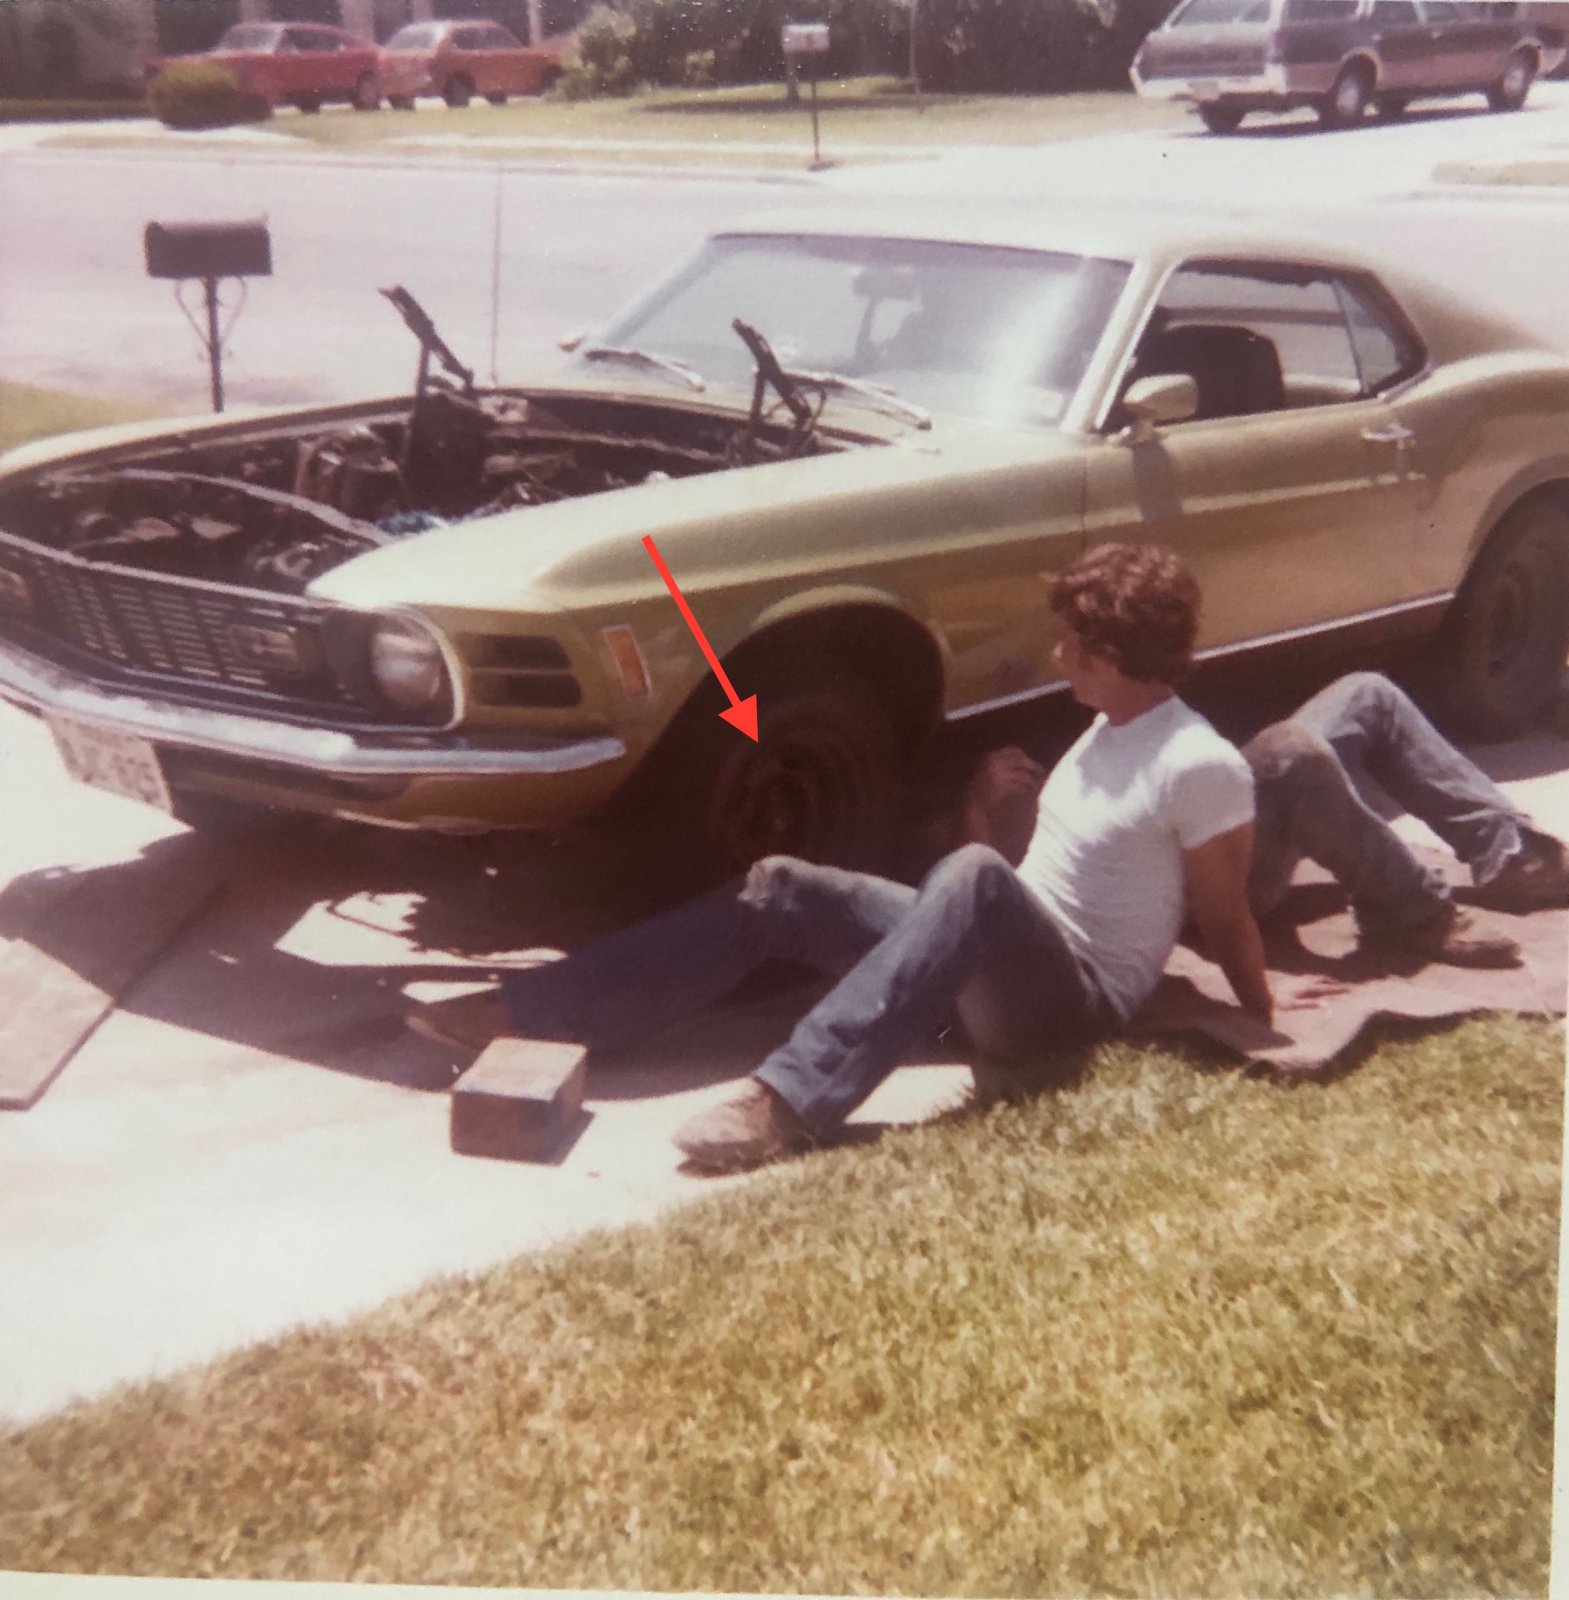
x=422, y=36
x=985, y=332
x=249, y=36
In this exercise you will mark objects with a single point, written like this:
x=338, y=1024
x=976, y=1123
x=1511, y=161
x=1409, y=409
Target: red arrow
x=742, y=713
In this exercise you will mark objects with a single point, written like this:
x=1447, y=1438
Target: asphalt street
x=251, y=1140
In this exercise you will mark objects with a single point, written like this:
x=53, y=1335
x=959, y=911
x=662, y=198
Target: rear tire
x=1514, y=83
x=1344, y=105
x=308, y=103
x=1503, y=646
x=458, y=93
x=1221, y=119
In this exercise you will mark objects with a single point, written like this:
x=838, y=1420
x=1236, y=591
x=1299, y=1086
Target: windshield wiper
x=875, y=394
x=646, y=358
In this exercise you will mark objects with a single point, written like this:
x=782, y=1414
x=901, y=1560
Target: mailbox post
x=208, y=252
x=808, y=39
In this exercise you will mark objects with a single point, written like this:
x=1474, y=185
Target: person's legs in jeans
x=972, y=914
x=1376, y=731
x=625, y=986
x=1307, y=806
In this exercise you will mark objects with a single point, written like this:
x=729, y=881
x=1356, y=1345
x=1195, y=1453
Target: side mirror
x=570, y=341
x=1164, y=397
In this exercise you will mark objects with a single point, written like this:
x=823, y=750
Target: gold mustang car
x=862, y=452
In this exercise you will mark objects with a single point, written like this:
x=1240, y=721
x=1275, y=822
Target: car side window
x=1386, y=350
x=468, y=38
x=1394, y=14
x=1272, y=336
x=320, y=39
x=1321, y=10
x=498, y=39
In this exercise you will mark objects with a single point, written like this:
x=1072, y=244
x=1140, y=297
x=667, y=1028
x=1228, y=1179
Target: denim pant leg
x=1307, y=806
x=627, y=985
x=1375, y=729
x=972, y=912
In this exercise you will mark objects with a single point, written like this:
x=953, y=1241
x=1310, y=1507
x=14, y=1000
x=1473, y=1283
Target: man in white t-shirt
x=1145, y=823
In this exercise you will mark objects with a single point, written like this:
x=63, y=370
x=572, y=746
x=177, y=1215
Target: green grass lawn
x=1175, y=1330
x=27, y=412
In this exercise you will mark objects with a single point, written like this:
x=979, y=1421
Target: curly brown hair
x=1134, y=605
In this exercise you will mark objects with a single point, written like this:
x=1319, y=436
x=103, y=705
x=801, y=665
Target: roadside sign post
x=808, y=39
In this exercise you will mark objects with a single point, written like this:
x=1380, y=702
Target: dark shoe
x=750, y=1128
x=1537, y=877
x=471, y=1022
x=1457, y=938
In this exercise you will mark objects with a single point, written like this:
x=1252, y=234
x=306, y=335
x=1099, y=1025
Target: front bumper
x=413, y=778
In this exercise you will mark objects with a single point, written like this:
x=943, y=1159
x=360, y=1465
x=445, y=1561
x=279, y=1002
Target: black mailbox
x=208, y=249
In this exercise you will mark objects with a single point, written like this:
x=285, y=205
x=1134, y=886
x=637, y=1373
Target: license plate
x=117, y=762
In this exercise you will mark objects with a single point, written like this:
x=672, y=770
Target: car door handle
x=1393, y=433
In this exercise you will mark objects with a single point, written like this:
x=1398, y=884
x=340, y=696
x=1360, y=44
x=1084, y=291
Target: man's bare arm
x=998, y=804
x=1216, y=876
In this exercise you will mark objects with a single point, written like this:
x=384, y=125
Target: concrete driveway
x=251, y=1140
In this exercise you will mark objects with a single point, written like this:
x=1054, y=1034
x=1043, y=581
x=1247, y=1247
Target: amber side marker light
x=628, y=658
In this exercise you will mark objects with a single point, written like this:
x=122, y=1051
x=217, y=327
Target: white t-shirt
x=1115, y=816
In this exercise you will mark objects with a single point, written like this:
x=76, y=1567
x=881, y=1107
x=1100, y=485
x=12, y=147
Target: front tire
x=1221, y=118
x=1347, y=100
x=820, y=783
x=1514, y=83
x=1505, y=640
x=458, y=93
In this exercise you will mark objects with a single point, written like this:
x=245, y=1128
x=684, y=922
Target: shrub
x=203, y=94
x=603, y=61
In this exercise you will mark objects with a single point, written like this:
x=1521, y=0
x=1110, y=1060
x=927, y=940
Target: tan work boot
x=1456, y=938
x=751, y=1127
x=470, y=1022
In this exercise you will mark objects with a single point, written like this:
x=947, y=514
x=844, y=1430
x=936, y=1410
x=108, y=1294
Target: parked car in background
x=1230, y=57
x=458, y=60
x=296, y=63
x=863, y=446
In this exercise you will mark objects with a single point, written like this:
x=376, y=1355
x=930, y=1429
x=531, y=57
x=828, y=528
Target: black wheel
x=367, y=95
x=1504, y=643
x=310, y=103
x=1347, y=100
x=1514, y=82
x=497, y=99
x=401, y=102
x=1391, y=106
x=458, y=93
x=1221, y=118
x=821, y=782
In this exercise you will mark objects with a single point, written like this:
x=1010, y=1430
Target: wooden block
x=520, y=1101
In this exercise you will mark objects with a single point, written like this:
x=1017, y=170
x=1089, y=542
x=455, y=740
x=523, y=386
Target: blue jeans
x=904, y=958
x=1306, y=770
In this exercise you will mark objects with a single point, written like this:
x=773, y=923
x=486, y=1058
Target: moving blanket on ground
x=1194, y=997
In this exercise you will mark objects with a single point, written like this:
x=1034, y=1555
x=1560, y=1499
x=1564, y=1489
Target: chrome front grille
x=146, y=630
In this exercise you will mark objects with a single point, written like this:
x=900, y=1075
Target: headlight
x=407, y=664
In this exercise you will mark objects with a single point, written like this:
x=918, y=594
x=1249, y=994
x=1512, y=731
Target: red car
x=458, y=60
x=302, y=63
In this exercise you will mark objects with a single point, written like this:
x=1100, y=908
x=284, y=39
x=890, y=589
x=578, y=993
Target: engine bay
x=275, y=507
